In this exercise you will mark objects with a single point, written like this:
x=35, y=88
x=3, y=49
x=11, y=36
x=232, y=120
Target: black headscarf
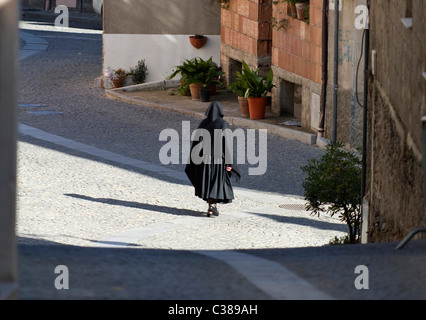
x=211, y=180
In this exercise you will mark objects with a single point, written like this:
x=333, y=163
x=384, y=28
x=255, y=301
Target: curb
x=304, y=137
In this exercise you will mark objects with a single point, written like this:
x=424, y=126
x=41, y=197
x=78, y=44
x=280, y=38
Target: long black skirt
x=211, y=181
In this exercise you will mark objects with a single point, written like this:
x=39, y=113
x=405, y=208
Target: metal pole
x=336, y=67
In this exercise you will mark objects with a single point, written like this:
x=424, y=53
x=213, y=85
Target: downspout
x=365, y=109
x=324, y=67
x=336, y=67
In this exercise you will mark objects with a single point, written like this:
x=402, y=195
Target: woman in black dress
x=211, y=177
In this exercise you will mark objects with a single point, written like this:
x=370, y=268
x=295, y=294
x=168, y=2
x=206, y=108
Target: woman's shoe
x=213, y=210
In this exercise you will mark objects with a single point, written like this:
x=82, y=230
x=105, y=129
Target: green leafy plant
x=119, y=74
x=139, y=72
x=333, y=185
x=281, y=24
x=197, y=70
x=255, y=85
x=307, y=12
x=238, y=87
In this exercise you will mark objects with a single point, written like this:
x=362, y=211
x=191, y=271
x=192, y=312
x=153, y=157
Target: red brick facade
x=246, y=26
x=294, y=52
x=298, y=48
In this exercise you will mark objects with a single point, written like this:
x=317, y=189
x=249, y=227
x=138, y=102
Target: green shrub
x=333, y=185
x=139, y=73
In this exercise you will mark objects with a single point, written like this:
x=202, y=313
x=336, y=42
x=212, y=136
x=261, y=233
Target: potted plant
x=118, y=78
x=209, y=80
x=198, y=73
x=301, y=7
x=291, y=7
x=198, y=41
x=224, y=3
x=238, y=88
x=190, y=71
x=257, y=89
x=204, y=93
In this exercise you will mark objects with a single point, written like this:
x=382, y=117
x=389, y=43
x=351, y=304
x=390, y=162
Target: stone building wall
x=158, y=31
x=350, y=75
x=396, y=103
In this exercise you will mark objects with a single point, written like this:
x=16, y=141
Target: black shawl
x=210, y=178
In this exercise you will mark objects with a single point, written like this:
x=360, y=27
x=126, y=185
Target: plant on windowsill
x=292, y=12
x=302, y=8
x=119, y=77
x=257, y=89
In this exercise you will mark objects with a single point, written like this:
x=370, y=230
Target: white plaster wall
x=161, y=52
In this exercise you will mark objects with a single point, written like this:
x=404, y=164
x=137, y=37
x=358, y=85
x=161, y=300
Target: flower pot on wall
x=198, y=41
x=257, y=107
x=301, y=10
x=195, y=90
x=244, y=107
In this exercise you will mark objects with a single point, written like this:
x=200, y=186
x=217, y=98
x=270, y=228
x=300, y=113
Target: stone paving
x=67, y=198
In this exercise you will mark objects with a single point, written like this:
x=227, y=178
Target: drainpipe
x=324, y=67
x=365, y=109
x=336, y=67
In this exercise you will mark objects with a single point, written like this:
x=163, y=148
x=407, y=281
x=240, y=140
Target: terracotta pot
x=118, y=83
x=244, y=107
x=301, y=7
x=291, y=10
x=195, y=90
x=197, y=42
x=257, y=107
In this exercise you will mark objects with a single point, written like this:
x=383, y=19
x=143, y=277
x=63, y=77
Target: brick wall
x=246, y=26
x=298, y=48
x=294, y=54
